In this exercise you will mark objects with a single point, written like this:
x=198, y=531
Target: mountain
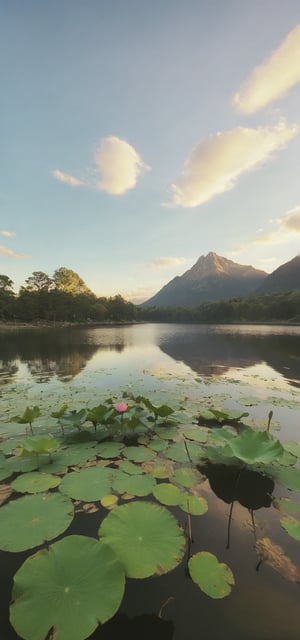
x=285, y=278
x=211, y=278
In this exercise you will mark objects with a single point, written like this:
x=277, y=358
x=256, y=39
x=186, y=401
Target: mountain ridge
x=213, y=278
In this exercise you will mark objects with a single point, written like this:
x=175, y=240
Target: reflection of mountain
x=209, y=352
x=47, y=352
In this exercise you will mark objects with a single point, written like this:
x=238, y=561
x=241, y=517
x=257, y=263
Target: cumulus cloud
x=291, y=220
x=118, y=165
x=272, y=79
x=216, y=163
x=8, y=234
x=12, y=254
x=167, y=263
x=65, y=177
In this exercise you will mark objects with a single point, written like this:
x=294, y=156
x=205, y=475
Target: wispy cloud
x=118, y=165
x=8, y=234
x=216, y=163
x=291, y=220
x=65, y=177
x=167, y=262
x=12, y=254
x=272, y=79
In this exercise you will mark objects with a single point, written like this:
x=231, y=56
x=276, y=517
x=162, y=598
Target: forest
x=64, y=297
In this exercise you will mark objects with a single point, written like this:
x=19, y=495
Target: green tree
x=69, y=281
x=39, y=281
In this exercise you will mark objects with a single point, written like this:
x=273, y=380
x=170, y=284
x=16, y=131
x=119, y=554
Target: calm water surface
x=256, y=368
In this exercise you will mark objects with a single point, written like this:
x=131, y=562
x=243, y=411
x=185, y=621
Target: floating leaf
x=138, y=454
x=177, y=452
x=213, y=577
x=292, y=526
x=5, y=492
x=167, y=432
x=167, y=494
x=109, y=449
x=187, y=476
x=198, y=434
x=5, y=473
x=69, y=589
x=35, y=482
x=195, y=505
x=87, y=484
x=109, y=501
x=37, y=445
x=29, y=521
x=274, y=555
x=145, y=537
x=290, y=477
x=130, y=467
x=137, y=485
x=286, y=504
x=292, y=447
x=158, y=444
x=159, y=470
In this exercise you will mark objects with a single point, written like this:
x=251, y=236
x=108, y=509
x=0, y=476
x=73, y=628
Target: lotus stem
x=270, y=416
x=187, y=452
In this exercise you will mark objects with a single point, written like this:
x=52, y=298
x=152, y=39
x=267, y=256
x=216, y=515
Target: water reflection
x=207, y=350
x=146, y=627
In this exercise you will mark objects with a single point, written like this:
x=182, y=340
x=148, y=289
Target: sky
x=138, y=135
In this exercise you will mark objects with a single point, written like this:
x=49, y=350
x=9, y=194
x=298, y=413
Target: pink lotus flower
x=122, y=407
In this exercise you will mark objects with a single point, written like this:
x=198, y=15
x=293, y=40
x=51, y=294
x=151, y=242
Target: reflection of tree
x=211, y=352
x=7, y=369
x=63, y=352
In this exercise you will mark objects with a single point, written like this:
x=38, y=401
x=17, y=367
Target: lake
x=255, y=369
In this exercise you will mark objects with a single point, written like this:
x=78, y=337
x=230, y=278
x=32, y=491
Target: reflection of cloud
x=273, y=78
x=118, y=164
x=65, y=177
x=215, y=163
x=167, y=263
x=11, y=254
x=8, y=234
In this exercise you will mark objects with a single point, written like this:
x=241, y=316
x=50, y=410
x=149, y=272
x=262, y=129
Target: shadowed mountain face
x=285, y=278
x=211, y=278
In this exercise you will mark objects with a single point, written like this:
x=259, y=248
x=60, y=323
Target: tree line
x=64, y=297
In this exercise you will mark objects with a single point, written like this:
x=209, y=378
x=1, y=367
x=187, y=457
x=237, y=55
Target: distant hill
x=285, y=278
x=211, y=278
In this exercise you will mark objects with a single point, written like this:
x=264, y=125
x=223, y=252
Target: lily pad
x=138, y=454
x=139, y=485
x=158, y=444
x=198, y=434
x=286, y=504
x=195, y=505
x=87, y=484
x=290, y=477
x=69, y=589
x=187, y=477
x=254, y=447
x=5, y=473
x=161, y=470
x=109, y=449
x=292, y=447
x=29, y=521
x=167, y=494
x=145, y=537
x=35, y=482
x=292, y=526
x=130, y=467
x=213, y=577
x=109, y=501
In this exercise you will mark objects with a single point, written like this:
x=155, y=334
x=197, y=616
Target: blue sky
x=137, y=136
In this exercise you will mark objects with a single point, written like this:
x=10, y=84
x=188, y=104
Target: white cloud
x=272, y=79
x=65, y=177
x=12, y=254
x=8, y=234
x=216, y=163
x=167, y=263
x=291, y=220
x=118, y=164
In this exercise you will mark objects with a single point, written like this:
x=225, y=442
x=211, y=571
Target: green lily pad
x=198, y=434
x=254, y=447
x=177, y=452
x=289, y=477
x=109, y=449
x=159, y=470
x=187, y=477
x=158, y=444
x=35, y=482
x=138, y=454
x=286, y=504
x=292, y=526
x=5, y=473
x=292, y=447
x=213, y=577
x=87, y=484
x=138, y=485
x=130, y=467
x=145, y=537
x=69, y=589
x=195, y=505
x=29, y=521
x=167, y=494
x=167, y=433
x=15, y=463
